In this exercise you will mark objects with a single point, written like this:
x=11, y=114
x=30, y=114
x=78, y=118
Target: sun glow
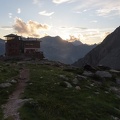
x=65, y=36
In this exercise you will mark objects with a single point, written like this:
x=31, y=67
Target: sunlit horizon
x=87, y=21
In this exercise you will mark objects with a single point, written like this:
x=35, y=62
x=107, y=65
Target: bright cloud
x=57, y=13
x=18, y=10
x=73, y=38
x=30, y=28
x=6, y=28
x=46, y=13
x=103, y=8
x=85, y=35
x=35, y=1
x=108, y=11
x=61, y=1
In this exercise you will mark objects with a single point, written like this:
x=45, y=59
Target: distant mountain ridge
x=107, y=53
x=77, y=42
x=57, y=49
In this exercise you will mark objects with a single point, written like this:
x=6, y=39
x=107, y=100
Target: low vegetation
x=7, y=72
x=52, y=100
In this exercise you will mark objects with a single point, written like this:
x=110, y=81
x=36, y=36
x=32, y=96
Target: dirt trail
x=14, y=101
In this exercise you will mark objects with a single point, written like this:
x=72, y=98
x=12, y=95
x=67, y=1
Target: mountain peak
x=77, y=43
x=117, y=30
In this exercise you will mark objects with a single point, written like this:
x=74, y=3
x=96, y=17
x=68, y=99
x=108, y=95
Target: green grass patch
x=7, y=72
x=52, y=101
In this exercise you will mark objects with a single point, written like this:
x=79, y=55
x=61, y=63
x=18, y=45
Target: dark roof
x=11, y=35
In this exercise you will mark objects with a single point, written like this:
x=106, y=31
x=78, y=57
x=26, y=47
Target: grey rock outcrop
x=75, y=81
x=88, y=73
x=77, y=88
x=4, y=85
x=63, y=77
x=103, y=74
x=81, y=77
x=13, y=81
x=68, y=84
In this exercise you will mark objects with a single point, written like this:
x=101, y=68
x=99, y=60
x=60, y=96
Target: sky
x=89, y=21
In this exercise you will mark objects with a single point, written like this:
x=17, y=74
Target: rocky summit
x=105, y=54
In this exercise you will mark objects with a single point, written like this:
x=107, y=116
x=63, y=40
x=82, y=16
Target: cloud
x=73, y=38
x=112, y=9
x=74, y=28
x=92, y=36
x=61, y=1
x=6, y=28
x=108, y=11
x=18, y=10
x=31, y=28
x=102, y=8
x=93, y=21
x=105, y=34
x=85, y=35
x=35, y=1
x=44, y=13
x=82, y=28
x=10, y=15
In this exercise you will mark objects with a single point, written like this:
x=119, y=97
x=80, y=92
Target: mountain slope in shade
x=107, y=53
x=56, y=49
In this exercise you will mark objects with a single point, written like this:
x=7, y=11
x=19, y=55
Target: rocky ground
x=55, y=88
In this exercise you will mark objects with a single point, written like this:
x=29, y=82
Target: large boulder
x=103, y=74
x=4, y=85
x=88, y=73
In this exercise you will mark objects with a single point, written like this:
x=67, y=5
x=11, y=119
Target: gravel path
x=14, y=101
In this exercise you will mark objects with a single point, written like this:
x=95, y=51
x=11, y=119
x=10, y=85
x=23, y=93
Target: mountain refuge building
x=17, y=46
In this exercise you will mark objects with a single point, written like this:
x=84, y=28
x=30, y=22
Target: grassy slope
x=54, y=102
x=7, y=71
